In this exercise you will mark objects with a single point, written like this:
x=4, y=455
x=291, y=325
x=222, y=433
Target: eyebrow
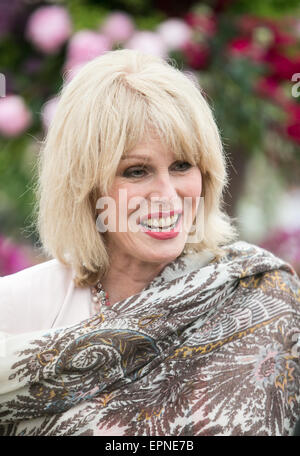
x=139, y=157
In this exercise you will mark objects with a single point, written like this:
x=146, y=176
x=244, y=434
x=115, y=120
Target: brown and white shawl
x=210, y=350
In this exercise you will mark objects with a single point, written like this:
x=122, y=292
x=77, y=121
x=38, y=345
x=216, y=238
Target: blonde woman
x=150, y=316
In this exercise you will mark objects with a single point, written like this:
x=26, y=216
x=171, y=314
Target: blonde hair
x=113, y=103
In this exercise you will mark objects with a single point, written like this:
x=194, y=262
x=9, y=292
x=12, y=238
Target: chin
x=166, y=253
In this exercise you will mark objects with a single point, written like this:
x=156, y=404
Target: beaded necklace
x=100, y=297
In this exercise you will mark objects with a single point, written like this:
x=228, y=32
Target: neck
x=127, y=278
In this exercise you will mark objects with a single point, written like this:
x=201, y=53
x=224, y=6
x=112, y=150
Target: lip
x=159, y=215
x=166, y=234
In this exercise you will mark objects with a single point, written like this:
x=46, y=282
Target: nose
x=163, y=190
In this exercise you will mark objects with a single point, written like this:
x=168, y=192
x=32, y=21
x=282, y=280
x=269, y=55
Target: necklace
x=100, y=297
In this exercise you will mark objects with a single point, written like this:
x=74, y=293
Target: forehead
x=149, y=151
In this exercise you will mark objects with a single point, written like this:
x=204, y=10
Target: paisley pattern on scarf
x=200, y=351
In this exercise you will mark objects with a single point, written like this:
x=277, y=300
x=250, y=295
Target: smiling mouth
x=162, y=224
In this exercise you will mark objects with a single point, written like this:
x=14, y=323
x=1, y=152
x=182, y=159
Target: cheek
x=193, y=185
x=126, y=197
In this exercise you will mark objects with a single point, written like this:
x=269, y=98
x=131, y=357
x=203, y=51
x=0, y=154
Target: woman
x=151, y=318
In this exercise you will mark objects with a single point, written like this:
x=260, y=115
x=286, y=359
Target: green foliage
x=10, y=54
x=265, y=8
x=149, y=22
x=86, y=15
x=17, y=170
x=90, y=15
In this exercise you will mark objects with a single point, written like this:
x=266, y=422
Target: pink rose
x=293, y=131
x=48, y=28
x=296, y=27
x=240, y=45
x=293, y=110
x=86, y=45
x=149, y=43
x=284, y=242
x=196, y=54
x=206, y=24
x=248, y=23
x=15, y=118
x=118, y=26
x=245, y=47
x=175, y=33
x=48, y=111
x=281, y=38
x=269, y=87
x=281, y=66
x=12, y=258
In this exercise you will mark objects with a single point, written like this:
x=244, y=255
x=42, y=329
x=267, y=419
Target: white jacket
x=42, y=297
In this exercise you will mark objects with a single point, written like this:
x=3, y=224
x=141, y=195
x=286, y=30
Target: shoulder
x=254, y=260
x=270, y=287
x=267, y=283
x=30, y=298
x=39, y=276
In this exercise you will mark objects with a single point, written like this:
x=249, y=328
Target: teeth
x=163, y=222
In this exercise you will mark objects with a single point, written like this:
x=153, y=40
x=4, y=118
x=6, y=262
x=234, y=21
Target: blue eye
x=140, y=171
x=134, y=172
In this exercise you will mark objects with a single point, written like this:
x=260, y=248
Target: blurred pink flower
x=15, y=118
x=196, y=54
x=118, y=26
x=248, y=23
x=293, y=131
x=12, y=257
x=148, y=43
x=285, y=243
x=240, y=45
x=292, y=109
x=175, y=33
x=48, y=111
x=48, y=28
x=245, y=47
x=268, y=86
x=84, y=46
x=282, y=31
x=281, y=65
x=206, y=24
x=296, y=27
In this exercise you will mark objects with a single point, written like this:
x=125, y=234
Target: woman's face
x=157, y=215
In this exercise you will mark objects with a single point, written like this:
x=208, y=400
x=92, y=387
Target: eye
x=134, y=172
x=182, y=166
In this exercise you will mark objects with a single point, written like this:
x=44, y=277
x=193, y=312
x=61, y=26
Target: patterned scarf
x=206, y=350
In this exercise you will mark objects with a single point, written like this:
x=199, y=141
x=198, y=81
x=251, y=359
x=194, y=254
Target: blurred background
x=245, y=55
